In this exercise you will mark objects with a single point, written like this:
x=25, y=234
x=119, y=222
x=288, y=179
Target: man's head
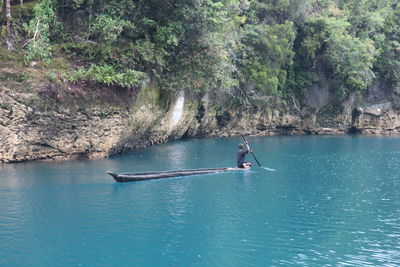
x=240, y=146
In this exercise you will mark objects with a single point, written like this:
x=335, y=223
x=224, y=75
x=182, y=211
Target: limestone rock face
x=377, y=119
x=29, y=132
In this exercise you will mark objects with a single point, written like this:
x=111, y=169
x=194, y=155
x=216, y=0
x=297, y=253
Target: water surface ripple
x=331, y=201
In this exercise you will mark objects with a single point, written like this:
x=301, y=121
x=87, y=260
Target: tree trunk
x=21, y=2
x=8, y=27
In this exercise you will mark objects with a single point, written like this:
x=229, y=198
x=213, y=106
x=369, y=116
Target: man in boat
x=241, y=154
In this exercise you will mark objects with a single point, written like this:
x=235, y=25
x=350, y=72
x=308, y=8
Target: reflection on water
x=331, y=201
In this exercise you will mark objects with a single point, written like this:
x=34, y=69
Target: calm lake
x=331, y=201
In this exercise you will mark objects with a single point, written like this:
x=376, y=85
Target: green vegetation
x=108, y=76
x=271, y=47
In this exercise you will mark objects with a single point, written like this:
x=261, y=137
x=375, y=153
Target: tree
x=276, y=46
x=388, y=63
x=352, y=58
x=205, y=54
x=266, y=47
x=9, y=25
x=39, y=47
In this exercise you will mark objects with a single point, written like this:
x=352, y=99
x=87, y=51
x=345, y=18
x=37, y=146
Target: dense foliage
x=272, y=47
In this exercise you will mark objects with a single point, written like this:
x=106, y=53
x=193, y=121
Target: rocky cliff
x=32, y=128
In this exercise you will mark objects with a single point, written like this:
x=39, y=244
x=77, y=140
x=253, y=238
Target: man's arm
x=248, y=148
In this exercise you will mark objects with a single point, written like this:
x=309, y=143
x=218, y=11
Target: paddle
x=251, y=152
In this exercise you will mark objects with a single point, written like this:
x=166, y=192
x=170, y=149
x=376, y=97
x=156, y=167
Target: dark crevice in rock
x=200, y=113
x=284, y=130
x=223, y=118
x=355, y=114
x=186, y=135
x=354, y=130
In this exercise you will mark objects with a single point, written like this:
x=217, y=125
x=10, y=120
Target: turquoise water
x=332, y=201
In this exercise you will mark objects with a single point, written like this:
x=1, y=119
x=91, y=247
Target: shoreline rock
x=63, y=133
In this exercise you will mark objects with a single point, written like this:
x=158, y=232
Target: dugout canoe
x=141, y=176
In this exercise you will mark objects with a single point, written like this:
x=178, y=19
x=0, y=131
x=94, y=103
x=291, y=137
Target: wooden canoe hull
x=141, y=176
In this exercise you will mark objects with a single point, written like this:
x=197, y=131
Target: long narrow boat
x=141, y=176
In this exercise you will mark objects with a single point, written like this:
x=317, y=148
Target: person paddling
x=241, y=154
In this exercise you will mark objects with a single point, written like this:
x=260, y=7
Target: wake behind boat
x=141, y=176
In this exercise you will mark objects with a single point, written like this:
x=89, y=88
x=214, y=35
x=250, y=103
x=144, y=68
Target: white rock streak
x=178, y=108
